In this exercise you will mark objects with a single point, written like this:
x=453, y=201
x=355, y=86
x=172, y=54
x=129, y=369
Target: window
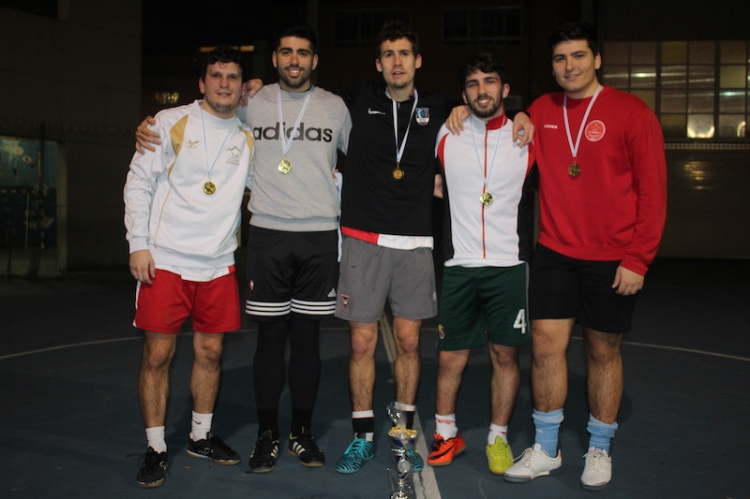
x=28, y=192
x=359, y=29
x=496, y=26
x=699, y=89
x=167, y=97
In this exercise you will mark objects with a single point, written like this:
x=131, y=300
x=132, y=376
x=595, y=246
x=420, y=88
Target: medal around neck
x=486, y=198
x=209, y=188
x=574, y=170
x=285, y=166
x=398, y=173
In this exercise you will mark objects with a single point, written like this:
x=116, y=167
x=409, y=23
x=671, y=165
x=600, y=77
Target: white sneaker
x=597, y=472
x=532, y=463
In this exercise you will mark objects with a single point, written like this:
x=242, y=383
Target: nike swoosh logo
x=374, y=111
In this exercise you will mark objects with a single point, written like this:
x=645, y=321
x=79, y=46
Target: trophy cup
x=402, y=441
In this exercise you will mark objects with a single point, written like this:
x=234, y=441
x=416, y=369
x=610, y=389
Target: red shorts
x=164, y=306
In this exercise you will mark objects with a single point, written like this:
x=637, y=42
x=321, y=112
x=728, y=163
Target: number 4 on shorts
x=520, y=322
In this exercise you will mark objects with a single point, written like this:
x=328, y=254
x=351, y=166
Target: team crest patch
x=423, y=115
x=234, y=155
x=441, y=332
x=595, y=131
x=345, y=300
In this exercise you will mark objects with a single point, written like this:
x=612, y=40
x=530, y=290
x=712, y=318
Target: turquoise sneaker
x=417, y=463
x=359, y=451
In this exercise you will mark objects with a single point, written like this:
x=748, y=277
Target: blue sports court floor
x=70, y=423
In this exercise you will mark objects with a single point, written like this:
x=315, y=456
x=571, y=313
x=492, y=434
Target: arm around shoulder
x=145, y=136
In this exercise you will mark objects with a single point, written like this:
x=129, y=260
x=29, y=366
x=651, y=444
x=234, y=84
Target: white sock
x=404, y=407
x=155, y=437
x=445, y=425
x=200, y=426
x=369, y=436
x=363, y=414
x=497, y=431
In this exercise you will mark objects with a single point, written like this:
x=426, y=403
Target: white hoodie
x=166, y=208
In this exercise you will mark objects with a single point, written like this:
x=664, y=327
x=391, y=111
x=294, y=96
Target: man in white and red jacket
x=488, y=196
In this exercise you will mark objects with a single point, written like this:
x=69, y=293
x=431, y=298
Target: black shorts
x=561, y=287
x=291, y=273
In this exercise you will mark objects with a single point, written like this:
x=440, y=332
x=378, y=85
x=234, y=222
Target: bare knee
x=504, y=358
x=208, y=349
x=549, y=339
x=602, y=348
x=451, y=363
x=364, y=339
x=158, y=350
x=406, y=334
x=408, y=345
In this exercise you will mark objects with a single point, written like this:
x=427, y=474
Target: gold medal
x=574, y=170
x=209, y=187
x=398, y=173
x=486, y=198
x=285, y=166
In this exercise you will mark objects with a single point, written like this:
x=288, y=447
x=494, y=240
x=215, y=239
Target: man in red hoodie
x=602, y=192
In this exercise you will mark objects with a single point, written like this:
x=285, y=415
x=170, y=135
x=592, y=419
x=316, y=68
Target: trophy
x=402, y=441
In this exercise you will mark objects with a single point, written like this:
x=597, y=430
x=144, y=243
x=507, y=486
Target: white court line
x=71, y=345
x=679, y=349
x=428, y=488
x=88, y=343
x=389, y=345
x=687, y=350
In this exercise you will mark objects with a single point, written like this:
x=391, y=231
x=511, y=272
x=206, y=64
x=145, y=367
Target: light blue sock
x=601, y=433
x=547, y=429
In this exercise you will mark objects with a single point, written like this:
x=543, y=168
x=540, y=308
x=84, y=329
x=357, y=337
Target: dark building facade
x=693, y=69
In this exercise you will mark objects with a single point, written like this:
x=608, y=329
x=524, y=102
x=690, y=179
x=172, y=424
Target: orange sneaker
x=443, y=451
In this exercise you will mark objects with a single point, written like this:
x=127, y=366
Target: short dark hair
x=578, y=30
x=484, y=62
x=298, y=31
x=225, y=55
x=395, y=30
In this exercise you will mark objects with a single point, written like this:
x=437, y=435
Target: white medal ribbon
x=287, y=144
x=574, y=149
x=400, y=149
x=488, y=173
x=210, y=166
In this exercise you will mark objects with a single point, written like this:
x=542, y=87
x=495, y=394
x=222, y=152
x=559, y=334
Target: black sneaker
x=305, y=448
x=213, y=448
x=152, y=468
x=263, y=458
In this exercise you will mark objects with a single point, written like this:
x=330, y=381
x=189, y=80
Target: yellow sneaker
x=499, y=456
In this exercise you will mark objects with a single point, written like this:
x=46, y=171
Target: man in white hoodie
x=182, y=213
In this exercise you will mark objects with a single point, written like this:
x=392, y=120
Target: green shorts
x=481, y=304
